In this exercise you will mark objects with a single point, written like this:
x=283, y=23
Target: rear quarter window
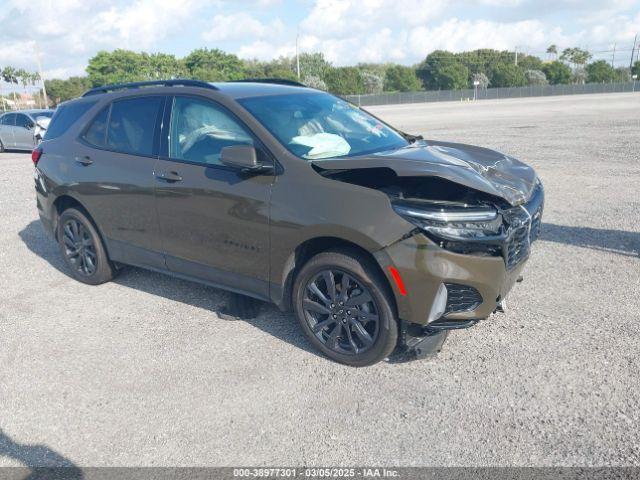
x=65, y=116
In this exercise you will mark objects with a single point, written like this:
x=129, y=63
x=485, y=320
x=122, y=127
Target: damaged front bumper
x=444, y=289
x=473, y=286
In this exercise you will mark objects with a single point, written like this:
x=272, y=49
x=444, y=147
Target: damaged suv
x=375, y=238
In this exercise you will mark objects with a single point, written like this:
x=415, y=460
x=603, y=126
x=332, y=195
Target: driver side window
x=200, y=130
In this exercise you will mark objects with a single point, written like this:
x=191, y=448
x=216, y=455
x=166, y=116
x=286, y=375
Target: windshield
x=48, y=114
x=318, y=125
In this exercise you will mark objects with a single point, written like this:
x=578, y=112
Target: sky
x=69, y=32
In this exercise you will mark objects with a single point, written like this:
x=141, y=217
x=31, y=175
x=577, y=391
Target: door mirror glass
x=242, y=157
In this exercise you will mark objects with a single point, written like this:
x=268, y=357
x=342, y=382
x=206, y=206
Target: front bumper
x=475, y=283
x=423, y=267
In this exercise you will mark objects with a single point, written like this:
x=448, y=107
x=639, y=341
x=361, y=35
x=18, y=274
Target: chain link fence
x=490, y=93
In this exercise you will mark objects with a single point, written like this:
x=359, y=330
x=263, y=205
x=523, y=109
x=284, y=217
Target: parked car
x=374, y=237
x=23, y=129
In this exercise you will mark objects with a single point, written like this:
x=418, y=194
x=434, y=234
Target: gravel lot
x=141, y=371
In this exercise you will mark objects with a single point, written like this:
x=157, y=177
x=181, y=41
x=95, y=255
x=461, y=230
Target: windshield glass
x=318, y=125
x=47, y=114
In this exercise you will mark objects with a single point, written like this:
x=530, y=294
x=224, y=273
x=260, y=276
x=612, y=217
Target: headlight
x=453, y=222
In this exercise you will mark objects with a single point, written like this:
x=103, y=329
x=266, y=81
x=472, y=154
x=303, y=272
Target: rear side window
x=8, y=119
x=23, y=121
x=132, y=125
x=65, y=116
x=96, y=134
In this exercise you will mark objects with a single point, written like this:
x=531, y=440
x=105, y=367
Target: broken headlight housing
x=457, y=227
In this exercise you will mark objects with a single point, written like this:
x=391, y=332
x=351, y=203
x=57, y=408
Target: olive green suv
x=373, y=237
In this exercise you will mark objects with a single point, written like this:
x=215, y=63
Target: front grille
x=536, y=223
x=461, y=298
x=517, y=248
x=524, y=222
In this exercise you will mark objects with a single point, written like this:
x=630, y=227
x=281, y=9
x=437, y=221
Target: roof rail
x=278, y=81
x=160, y=83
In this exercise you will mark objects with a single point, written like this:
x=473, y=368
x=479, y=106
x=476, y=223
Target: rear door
x=214, y=219
x=6, y=130
x=115, y=162
x=23, y=132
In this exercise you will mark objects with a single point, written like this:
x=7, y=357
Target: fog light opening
x=439, y=304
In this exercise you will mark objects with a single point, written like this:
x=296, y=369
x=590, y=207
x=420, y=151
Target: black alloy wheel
x=82, y=248
x=79, y=247
x=344, y=306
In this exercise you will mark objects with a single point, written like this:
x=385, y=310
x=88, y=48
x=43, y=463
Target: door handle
x=170, y=177
x=85, y=161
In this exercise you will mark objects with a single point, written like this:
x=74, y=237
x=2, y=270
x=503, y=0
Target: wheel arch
x=65, y=201
x=313, y=246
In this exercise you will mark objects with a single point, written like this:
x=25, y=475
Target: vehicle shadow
x=613, y=241
x=269, y=319
x=42, y=461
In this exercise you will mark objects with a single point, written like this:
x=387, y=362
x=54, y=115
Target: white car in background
x=24, y=129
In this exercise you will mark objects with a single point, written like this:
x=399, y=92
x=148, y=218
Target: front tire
x=344, y=307
x=82, y=248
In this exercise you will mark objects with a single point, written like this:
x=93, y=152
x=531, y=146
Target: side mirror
x=29, y=126
x=244, y=158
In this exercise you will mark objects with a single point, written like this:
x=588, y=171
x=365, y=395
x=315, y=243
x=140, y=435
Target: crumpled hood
x=475, y=167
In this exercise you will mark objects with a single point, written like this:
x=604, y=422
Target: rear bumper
x=424, y=267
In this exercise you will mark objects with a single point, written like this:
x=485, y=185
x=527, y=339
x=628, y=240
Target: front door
x=214, y=219
x=23, y=133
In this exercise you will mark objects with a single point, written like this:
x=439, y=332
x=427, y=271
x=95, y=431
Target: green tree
x=622, y=74
x=344, y=80
x=452, y=77
x=213, y=65
x=162, y=66
x=399, y=78
x=575, y=56
x=507, y=75
x=553, y=50
x=600, y=71
x=430, y=69
x=557, y=72
x=312, y=64
x=9, y=75
x=635, y=70
x=529, y=62
x=63, y=90
x=277, y=68
x=116, y=67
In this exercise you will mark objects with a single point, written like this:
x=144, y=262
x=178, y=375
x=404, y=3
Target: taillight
x=36, y=154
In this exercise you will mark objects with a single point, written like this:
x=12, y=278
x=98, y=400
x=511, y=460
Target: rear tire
x=344, y=308
x=82, y=248
x=1, y=147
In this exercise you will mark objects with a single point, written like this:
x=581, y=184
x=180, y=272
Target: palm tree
x=553, y=50
x=23, y=77
x=9, y=76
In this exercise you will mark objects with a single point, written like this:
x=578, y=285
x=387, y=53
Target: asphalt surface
x=142, y=371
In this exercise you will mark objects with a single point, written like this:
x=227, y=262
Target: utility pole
x=613, y=56
x=297, y=54
x=516, y=56
x=44, y=89
x=633, y=50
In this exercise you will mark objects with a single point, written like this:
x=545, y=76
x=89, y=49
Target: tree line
x=440, y=70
